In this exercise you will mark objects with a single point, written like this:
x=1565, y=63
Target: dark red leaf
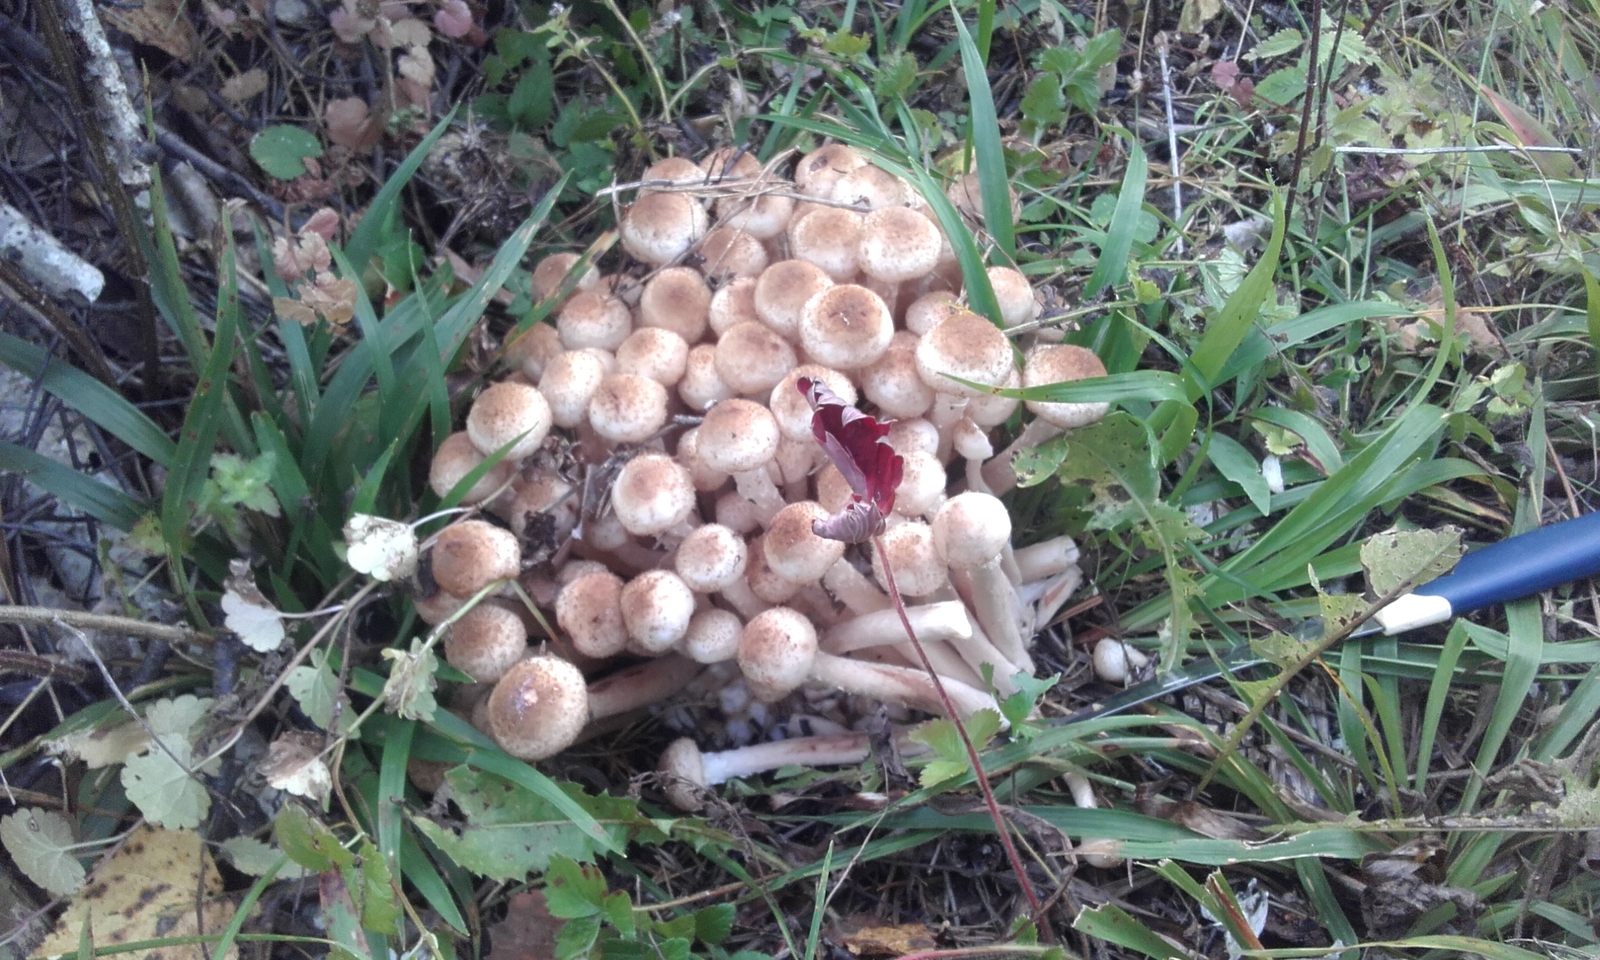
x=858, y=445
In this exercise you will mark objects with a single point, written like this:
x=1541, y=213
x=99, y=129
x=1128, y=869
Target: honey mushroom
x=746, y=289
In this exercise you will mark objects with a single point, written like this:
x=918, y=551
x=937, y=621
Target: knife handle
x=1509, y=570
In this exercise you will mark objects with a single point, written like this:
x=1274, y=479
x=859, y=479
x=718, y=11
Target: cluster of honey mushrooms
x=682, y=543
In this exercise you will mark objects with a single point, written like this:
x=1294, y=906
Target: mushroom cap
x=751, y=358
x=711, y=557
x=766, y=583
x=551, y=272
x=627, y=408
x=791, y=408
x=503, y=413
x=793, y=550
x=537, y=346
x=971, y=529
x=923, y=313
x=712, y=637
x=726, y=253
x=458, y=456
x=538, y=708
x=656, y=607
x=686, y=771
x=543, y=492
x=966, y=193
x=892, y=383
x=898, y=244
x=569, y=382
x=868, y=187
x=591, y=318
x=1062, y=363
x=653, y=493
x=701, y=384
x=730, y=163
x=654, y=353
x=486, y=640
x=1015, y=295
x=918, y=570
x=670, y=170
x=775, y=652
x=782, y=290
x=661, y=227
x=471, y=554
x=846, y=327
x=992, y=409
x=738, y=435
x=676, y=299
x=705, y=479
x=589, y=612
x=818, y=171
x=829, y=238
x=763, y=215
x=963, y=345
x=734, y=302
x=922, y=483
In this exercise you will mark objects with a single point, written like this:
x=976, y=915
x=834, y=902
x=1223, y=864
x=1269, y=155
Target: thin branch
x=171, y=633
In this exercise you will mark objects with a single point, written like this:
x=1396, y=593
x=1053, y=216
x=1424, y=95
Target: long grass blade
x=100, y=404
x=988, y=156
x=1112, y=267
x=101, y=501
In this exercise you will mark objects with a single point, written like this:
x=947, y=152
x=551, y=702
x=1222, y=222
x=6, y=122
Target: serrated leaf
x=1281, y=87
x=511, y=832
x=576, y=937
x=618, y=910
x=308, y=842
x=39, y=842
x=573, y=889
x=1019, y=705
x=256, y=857
x=1043, y=103
x=409, y=689
x=282, y=150
x=316, y=688
x=372, y=887
x=1280, y=43
x=713, y=924
x=1394, y=558
x=1112, y=461
x=244, y=482
x=1280, y=648
x=1339, y=612
x=160, y=784
x=1035, y=465
x=942, y=737
x=178, y=715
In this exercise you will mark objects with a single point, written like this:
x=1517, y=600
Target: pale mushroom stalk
x=969, y=532
x=1058, y=590
x=908, y=685
x=1083, y=798
x=640, y=685
x=936, y=622
x=854, y=589
x=1046, y=558
x=950, y=665
x=683, y=760
x=979, y=651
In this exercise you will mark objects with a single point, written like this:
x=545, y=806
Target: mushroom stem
x=998, y=473
x=946, y=662
x=640, y=685
x=854, y=589
x=1083, y=798
x=994, y=604
x=1046, y=558
x=1058, y=590
x=946, y=620
x=684, y=761
x=979, y=650
x=757, y=487
x=908, y=685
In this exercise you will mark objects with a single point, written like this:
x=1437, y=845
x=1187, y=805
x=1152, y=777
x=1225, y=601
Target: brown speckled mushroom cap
x=738, y=435
x=963, y=345
x=897, y=244
x=653, y=493
x=471, y=554
x=589, y=612
x=845, y=327
x=676, y=299
x=793, y=550
x=661, y=227
x=1062, y=363
x=503, y=413
x=628, y=408
x=486, y=641
x=775, y=652
x=751, y=358
x=538, y=708
x=711, y=557
x=456, y=457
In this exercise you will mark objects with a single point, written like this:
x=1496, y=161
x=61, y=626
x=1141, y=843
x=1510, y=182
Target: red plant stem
x=972, y=751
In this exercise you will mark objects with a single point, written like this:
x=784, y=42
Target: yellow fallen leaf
x=145, y=891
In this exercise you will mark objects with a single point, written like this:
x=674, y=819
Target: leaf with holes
x=160, y=784
x=40, y=842
x=1394, y=559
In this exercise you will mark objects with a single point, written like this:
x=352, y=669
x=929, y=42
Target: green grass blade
x=246, y=907
x=1591, y=288
x=396, y=735
x=204, y=419
x=1438, y=694
x=1151, y=385
x=98, y=403
x=101, y=501
x=168, y=290
x=1114, y=925
x=384, y=207
x=1227, y=330
x=988, y=156
x=1112, y=267
x=424, y=875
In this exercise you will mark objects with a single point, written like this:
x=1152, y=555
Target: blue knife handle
x=1521, y=566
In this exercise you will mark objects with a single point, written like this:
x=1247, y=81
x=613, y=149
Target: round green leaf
x=39, y=842
x=282, y=150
